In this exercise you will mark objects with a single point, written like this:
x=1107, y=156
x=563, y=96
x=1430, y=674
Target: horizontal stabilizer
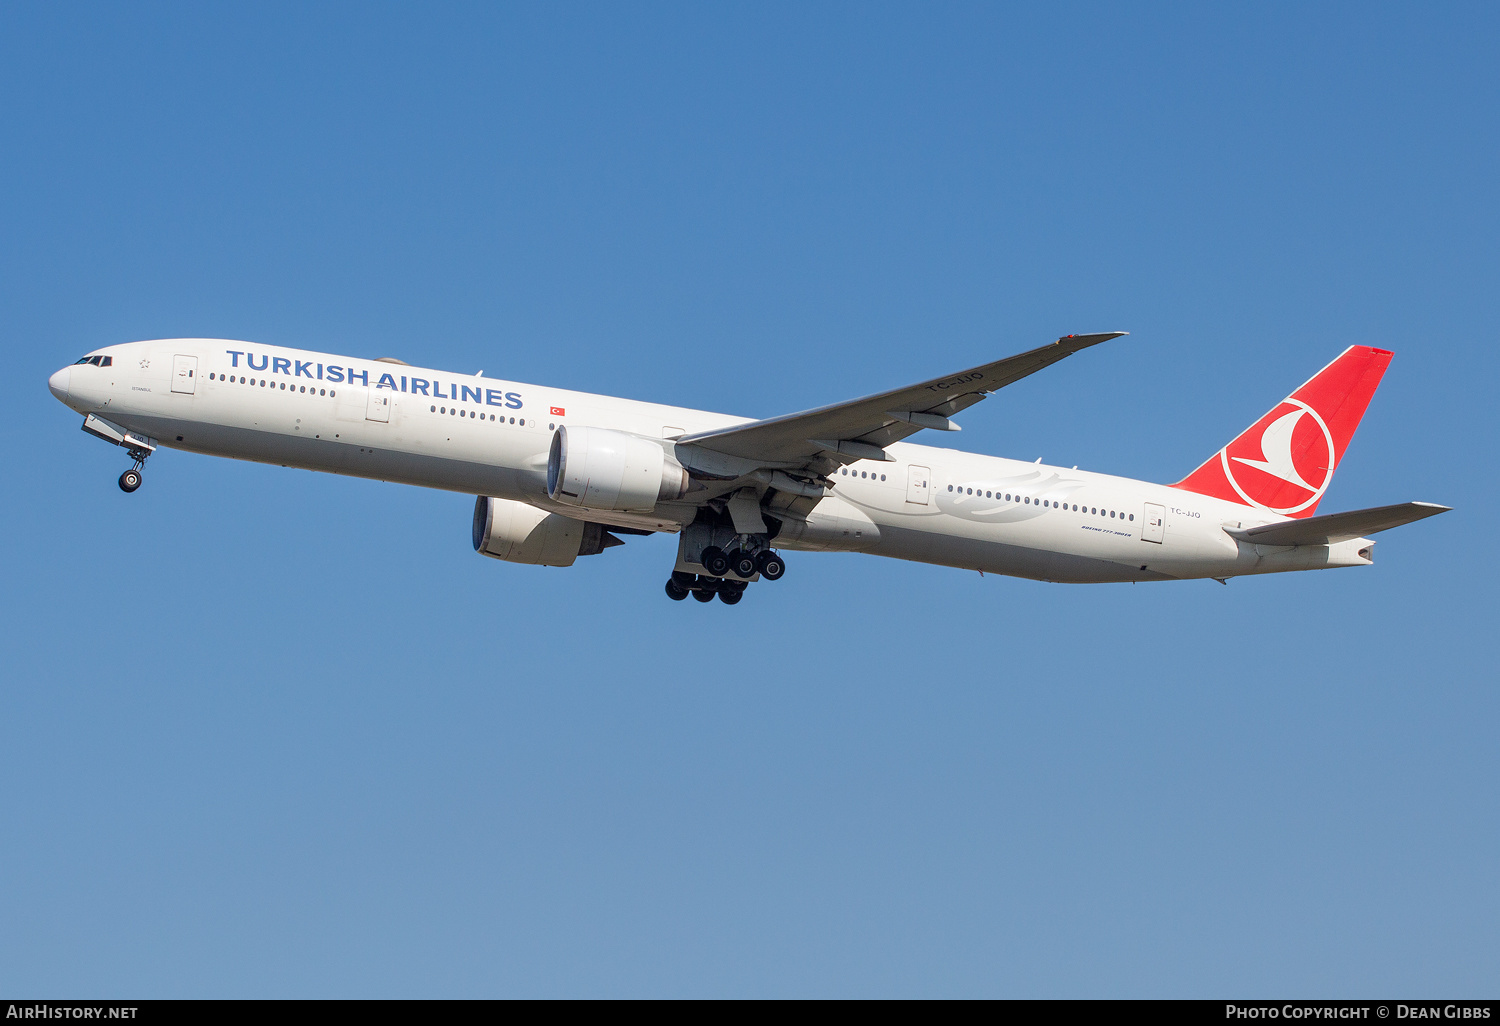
x=1337, y=527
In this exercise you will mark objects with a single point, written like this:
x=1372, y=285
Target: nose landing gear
x=131, y=479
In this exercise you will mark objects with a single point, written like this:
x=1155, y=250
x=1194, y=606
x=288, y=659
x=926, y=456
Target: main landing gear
x=728, y=577
x=703, y=588
x=742, y=564
x=131, y=479
x=717, y=555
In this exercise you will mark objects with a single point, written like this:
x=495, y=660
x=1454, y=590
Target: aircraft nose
x=58, y=383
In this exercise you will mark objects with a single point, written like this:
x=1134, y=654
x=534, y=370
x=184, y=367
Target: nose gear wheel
x=131, y=479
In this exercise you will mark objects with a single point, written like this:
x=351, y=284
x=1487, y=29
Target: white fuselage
x=485, y=436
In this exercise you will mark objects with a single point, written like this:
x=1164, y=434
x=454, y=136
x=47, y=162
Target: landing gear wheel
x=703, y=595
x=770, y=565
x=675, y=591
x=729, y=596
x=714, y=561
x=130, y=480
x=742, y=563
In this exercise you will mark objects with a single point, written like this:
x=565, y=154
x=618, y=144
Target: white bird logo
x=1276, y=446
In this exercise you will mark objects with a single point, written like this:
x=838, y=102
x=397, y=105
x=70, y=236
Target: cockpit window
x=99, y=361
x=87, y=359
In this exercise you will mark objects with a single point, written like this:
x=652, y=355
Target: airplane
x=561, y=474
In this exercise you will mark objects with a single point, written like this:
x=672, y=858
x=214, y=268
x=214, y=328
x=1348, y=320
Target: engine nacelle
x=597, y=468
x=518, y=532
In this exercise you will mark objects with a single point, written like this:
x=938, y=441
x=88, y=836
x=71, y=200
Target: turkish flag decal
x=558, y=411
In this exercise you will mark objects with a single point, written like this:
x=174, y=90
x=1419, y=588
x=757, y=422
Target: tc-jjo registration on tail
x=561, y=474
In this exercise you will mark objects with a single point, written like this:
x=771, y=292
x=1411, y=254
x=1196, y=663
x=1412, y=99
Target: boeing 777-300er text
x=560, y=474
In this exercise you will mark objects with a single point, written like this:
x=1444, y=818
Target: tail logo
x=1284, y=462
x=1285, y=454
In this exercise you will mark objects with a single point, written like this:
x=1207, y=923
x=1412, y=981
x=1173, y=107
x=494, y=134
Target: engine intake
x=520, y=533
x=597, y=468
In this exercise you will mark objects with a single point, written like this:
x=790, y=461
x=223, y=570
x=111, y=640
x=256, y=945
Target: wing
x=1337, y=527
x=862, y=428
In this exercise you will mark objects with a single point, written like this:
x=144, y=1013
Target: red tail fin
x=1285, y=461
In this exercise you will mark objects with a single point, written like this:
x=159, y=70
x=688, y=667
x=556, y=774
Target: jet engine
x=597, y=468
x=520, y=533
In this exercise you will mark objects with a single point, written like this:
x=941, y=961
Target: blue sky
x=272, y=733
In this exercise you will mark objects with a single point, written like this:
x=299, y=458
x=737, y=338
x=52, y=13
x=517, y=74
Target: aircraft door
x=918, y=485
x=184, y=374
x=378, y=406
x=1155, y=527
